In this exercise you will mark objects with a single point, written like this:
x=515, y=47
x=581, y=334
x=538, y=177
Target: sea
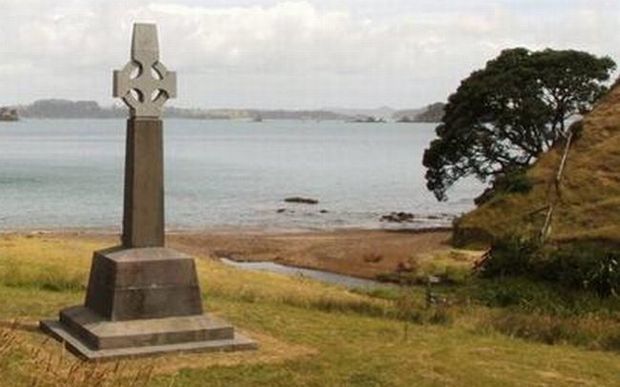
x=68, y=174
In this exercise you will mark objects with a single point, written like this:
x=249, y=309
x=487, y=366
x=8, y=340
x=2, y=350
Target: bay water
x=60, y=174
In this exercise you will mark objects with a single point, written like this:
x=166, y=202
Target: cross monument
x=142, y=297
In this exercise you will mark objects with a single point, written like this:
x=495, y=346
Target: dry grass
x=590, y=331
x=590, y=204
x=44, y=262
x=35, y=365
x=43, y=362
x=309, y=333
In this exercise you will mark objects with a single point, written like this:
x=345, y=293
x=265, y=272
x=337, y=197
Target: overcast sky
x=287, y=54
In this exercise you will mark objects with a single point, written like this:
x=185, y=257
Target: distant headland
x=67, y=109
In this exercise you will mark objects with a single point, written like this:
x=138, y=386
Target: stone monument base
x=140, y=302
x=90, y=337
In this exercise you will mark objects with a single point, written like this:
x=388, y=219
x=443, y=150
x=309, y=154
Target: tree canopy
x=501, y=118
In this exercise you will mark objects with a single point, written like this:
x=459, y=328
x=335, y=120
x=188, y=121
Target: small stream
x=319, y=275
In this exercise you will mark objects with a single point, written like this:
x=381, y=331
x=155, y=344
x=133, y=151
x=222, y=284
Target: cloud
x=286, y=54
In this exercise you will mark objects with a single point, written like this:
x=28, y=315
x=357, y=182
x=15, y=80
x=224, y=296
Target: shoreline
x=225, y=230
x=360, y=253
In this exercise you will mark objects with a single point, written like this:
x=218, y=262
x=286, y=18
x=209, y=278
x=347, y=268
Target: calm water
x=298, y=272
x=69, y=173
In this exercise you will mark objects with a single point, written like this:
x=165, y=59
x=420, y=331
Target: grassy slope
x=310, y=334
x=590, y=206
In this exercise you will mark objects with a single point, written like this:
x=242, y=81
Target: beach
x=357, y=253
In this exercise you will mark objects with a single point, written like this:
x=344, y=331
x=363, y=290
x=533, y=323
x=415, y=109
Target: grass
x=317, y=335
x=590, y=199
x=451, y=266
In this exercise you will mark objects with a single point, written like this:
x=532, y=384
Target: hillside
x=589, y=207
x=432, y=113
x=407, y=114
x=61, y=108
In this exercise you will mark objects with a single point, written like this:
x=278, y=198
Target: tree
x=501, y=118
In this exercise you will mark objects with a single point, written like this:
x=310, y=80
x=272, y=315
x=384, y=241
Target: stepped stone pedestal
x=143, y=298
x=142, y=301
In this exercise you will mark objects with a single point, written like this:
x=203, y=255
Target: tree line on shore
x=67, y=109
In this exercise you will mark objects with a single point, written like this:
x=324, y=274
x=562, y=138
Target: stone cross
x=142, y=297
x=144, y=84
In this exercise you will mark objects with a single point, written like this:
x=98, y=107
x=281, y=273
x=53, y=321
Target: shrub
x=582, y=266
x=515, y=181
x=585, y=266
x=455, y=275
x=441, y=315
x=510, y=257
x=588, y=331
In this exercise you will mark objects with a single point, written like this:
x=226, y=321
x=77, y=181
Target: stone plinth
x=152, y=282
x=140, y=302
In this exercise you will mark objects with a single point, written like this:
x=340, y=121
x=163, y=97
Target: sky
x=287, y=54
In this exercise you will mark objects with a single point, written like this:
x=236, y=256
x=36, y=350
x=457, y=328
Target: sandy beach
x=354, y=252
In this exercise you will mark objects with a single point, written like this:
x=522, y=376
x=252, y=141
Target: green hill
x=588, y=207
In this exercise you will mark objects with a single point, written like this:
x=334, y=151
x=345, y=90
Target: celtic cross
x=142, y=297
x=144, y=83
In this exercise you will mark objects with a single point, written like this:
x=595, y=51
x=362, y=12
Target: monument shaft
x=143, y=214
x=142, y=297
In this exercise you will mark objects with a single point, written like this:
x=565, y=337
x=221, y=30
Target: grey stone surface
x=99, y=333
x=78, y=347
x=156, y=282
x=153, y=85
x=143, y=213
x=142, y=302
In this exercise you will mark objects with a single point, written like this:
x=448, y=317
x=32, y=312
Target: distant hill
x=406, y=114
x=589, y=208
x=384, y=112
x=432, y=113
x=60, y=108
x=298, y=115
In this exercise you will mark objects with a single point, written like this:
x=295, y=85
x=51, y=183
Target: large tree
x=501, y=118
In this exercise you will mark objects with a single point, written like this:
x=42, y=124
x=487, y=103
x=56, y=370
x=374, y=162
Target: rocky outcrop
x=301, y=200
x=8, y=114
x=398, y=217
x=368, y=120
